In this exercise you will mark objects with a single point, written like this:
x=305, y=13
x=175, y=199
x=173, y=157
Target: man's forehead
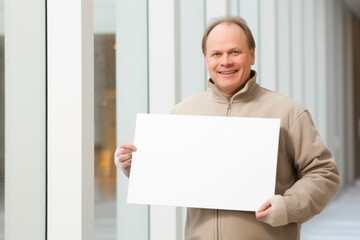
x=225, y=25
x=227, y=33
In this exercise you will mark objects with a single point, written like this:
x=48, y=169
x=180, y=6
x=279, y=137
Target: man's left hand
x=273, y=212
x=263, y=211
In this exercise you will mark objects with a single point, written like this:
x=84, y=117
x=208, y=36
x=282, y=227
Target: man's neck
x=228, y=96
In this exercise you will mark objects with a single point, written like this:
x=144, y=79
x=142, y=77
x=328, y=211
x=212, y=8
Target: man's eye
x=235, y=52
x=216, y=54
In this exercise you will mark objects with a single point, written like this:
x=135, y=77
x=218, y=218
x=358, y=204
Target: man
x=307, y=176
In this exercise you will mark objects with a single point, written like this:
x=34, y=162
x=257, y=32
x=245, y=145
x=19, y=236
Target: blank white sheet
x=204, y=161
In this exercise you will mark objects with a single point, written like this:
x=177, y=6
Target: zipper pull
x=228, y=110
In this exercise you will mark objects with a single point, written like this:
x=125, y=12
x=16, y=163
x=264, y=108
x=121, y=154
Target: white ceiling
x=354, y=6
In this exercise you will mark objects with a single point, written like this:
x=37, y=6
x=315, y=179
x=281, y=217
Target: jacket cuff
x=291, y=209
x=277, y=216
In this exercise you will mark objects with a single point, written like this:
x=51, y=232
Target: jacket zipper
x=228, y=110
x=217, y=213
x=217, y=237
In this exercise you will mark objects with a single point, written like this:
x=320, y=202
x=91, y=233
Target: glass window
x=105, y=120
x=2, y=120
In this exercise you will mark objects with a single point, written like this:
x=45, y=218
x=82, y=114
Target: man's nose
x=226, y=60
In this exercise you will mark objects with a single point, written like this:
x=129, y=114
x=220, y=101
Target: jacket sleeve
x=318, y=175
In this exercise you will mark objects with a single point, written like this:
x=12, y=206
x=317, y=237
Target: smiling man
x=229, y=55
x=307, y=176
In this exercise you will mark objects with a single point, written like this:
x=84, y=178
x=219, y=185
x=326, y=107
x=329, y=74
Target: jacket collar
x=247, y=91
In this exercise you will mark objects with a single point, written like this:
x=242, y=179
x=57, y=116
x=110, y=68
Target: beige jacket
x=307, y=176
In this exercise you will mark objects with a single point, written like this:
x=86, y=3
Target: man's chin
x=228, y=89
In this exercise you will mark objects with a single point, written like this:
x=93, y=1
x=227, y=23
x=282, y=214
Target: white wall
x=334, y=84
x=104, y=15
x=321, y=68
x=132, y=76
x=163, y=81
x=2, y=17
x=193, y=73
x=25, y=120
x=283, y=47
x=297, y=53
x=250, y=11
x=216, y=8
x=70, y=104
x=349, y=95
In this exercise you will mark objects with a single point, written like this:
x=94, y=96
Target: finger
x=265, y=205
x=128, y=146
x=264, y=210
x=123, y=151
x=126, y=165
x=262, y=214
x=124, y=157
x=125, y=148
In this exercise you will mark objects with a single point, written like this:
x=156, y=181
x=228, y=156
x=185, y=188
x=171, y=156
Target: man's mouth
x=228, y=72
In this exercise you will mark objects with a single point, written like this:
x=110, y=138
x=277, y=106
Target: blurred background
x=148, y=58
x=2, y=120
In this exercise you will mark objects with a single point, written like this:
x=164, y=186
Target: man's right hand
x=122, y=157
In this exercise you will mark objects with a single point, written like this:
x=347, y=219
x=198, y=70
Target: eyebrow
x=231, y=49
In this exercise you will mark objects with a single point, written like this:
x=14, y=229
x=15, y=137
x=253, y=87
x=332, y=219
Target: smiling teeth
x=229, y=72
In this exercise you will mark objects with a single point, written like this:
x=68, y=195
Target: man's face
x=228, y=57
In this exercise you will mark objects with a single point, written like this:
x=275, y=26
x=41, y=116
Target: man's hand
x=263, y=211
x=123, y=155
x=273, y=212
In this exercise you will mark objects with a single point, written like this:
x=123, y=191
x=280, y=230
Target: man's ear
x=252, y=53
x=206, y=62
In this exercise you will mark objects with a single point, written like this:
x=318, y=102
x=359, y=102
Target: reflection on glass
x=105, y=137
x=2, y=121
x=105, y=120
